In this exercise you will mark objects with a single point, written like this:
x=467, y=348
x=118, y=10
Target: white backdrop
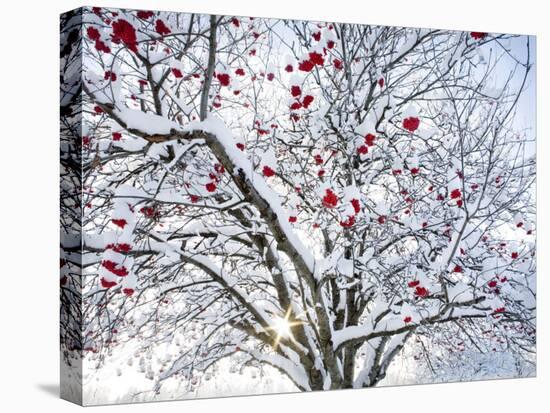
x=29, y=206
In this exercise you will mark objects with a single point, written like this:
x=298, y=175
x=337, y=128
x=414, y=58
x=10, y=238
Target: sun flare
x=283, y=327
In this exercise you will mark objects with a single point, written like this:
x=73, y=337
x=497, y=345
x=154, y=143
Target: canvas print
x=255, y=205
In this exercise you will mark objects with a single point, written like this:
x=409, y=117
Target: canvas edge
x=70, y=118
